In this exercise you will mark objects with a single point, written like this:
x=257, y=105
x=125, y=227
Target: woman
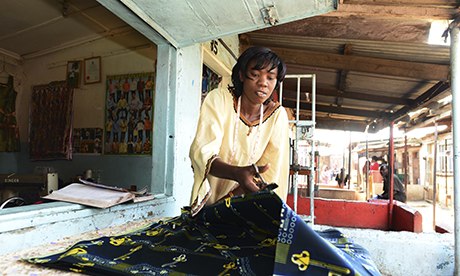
x=241, y=126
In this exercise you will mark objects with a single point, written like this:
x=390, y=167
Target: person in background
x=374, y=176
x=242, y=132
x=364, y=177
x=342, y=178
x=374, y=166
x=325, y=174
x=366, y=167
x=399, y=192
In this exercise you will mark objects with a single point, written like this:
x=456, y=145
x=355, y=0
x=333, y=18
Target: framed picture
x=129, y=114
x=92, y=70
x=73, y=73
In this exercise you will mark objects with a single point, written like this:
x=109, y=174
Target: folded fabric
x=256, y=234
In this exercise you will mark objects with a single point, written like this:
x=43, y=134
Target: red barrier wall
x=360, y=214
x=406, y=218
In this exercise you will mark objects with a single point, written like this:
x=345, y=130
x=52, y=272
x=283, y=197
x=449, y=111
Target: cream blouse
x=215, y=139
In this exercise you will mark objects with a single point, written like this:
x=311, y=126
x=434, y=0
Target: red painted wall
x=360, y=214
x=406, y=219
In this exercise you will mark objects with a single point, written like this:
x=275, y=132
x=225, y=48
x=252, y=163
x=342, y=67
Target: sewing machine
x=30, y=187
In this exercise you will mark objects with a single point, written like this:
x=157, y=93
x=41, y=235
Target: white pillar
x=455, y=86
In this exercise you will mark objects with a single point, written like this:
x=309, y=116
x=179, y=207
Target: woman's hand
x=249, y=180
x=247, y=176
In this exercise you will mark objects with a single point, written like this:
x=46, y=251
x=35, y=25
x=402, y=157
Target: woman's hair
x=263, y=58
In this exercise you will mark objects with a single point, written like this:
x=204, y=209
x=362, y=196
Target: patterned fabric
x=252, y=235
x=51, y=122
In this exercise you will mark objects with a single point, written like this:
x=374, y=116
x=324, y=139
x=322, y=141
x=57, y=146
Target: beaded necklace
x=235, y=133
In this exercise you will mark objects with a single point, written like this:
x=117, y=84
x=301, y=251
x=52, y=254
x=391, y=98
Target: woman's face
x=258, y=84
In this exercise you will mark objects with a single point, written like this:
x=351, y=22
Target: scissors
x=262, y=184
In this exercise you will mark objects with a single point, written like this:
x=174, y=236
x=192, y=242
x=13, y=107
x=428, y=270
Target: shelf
x=301, y=172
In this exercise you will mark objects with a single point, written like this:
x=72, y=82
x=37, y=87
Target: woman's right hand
x=248, y=180
x=245, y=176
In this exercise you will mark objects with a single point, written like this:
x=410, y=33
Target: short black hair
x=264, y=58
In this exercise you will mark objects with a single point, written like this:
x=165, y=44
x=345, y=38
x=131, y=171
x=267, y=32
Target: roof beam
x=444, y=3
x=393, y=9
x=416, y=70
x=335, y=124
x=291, y=103
x=341, y=83
x=289, y=91
x=434, y=91
x=126, y=14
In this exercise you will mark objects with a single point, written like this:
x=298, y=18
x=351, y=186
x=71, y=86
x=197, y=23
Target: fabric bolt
x=256, y=234
x=254, y=143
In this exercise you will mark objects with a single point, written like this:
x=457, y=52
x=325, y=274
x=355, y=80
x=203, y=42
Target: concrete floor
x=444, y=216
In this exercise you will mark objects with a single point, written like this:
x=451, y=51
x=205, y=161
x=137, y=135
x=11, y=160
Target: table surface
x=12, y=264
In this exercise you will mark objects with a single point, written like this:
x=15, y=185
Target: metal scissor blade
x=258, y=175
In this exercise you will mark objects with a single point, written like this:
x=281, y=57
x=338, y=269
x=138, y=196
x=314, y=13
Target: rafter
x=348, y=125
x=420, y=11
x=417, y=70
x=291, y=103
x=435, y=90
x=289, y=91
x=444, y=3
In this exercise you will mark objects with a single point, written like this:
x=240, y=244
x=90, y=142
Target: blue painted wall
x=115, y=170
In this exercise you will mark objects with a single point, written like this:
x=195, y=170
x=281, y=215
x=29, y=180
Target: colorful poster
x=128, y=114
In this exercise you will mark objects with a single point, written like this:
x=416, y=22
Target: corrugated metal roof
x=359, y=81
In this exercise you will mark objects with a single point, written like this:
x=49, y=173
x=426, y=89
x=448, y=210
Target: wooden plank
x=416, y=70
x=447, y=3
x=291, y=103
x=300, y=172
x=401, y=11
x=289, y=92
x=349, y=125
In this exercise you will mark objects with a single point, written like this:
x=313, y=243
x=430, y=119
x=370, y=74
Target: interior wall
x=178, y=83
x=89, y=106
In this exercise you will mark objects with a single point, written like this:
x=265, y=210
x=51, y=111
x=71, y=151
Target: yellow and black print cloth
x=255, y=234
